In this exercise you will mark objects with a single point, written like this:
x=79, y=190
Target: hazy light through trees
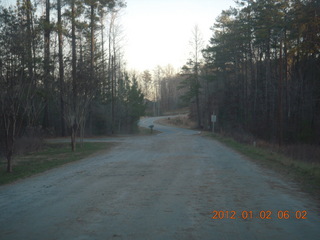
x=158, y=31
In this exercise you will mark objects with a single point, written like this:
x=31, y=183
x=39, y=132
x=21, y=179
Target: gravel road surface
x=165, y=186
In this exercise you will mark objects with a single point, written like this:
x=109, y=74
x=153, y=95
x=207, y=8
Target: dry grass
x=298, y=162
x=51, y=156
x=182, y=121
x=146, y=131
x=302, y=152
x=184, y=110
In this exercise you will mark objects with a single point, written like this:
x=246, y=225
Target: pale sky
x=158, y=32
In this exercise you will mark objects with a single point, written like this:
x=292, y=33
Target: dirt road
x=165, y=186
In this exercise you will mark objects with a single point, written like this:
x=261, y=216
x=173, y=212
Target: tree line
x=62, y=72
x=161, y=90
x=260, y=71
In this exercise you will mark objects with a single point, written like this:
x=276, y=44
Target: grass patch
x=305, y=173
x=51, y=156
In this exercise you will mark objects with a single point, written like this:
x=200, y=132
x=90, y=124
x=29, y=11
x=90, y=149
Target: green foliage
x=262, y=58
x=130, y=107
x=135, y=101
x=190, y=83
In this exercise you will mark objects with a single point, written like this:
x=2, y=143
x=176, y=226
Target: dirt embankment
x=182, y=121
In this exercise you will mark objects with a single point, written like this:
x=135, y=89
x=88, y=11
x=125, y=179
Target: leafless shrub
x=242, y=136
x=303, y=152
x=32, y=140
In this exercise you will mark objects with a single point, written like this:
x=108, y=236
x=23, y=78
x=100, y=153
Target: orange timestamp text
x=286, y=214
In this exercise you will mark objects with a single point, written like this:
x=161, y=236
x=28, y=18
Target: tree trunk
x=112, y=95
x=110, y=72
x=280, y=117
x=198, y=110
x=102, y=54
x=9, y=142
x=73, y=137
x=92, y=40
x=74, y=76
x=29, y=40
x=74, y=56
x=9, y=161
x=61, y=70
x=46, y=65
